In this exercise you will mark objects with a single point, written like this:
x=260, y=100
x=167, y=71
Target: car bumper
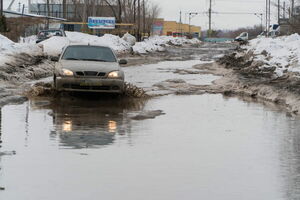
x=89, y=85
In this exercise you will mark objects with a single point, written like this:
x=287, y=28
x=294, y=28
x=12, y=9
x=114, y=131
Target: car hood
x=77, y=65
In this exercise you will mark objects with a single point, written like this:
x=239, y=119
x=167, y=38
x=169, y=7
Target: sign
x=102, y=22
x=157, y=27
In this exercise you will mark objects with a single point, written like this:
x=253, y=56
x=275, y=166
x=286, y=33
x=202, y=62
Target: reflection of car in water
x=93, y=123
x=46, y=34
x=86, y=68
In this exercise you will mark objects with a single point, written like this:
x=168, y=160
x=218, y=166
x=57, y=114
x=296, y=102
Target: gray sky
x=171, y=8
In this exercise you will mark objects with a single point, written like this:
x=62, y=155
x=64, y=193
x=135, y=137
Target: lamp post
x=260, y=16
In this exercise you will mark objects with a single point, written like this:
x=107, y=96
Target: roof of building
x=32, y=15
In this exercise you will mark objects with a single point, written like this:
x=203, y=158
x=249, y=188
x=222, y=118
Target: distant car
x=46, y=34
x=87, y=68
x=274, y=31
x=243, y=37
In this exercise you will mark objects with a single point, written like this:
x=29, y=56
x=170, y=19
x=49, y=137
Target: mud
x=25, y=67
x=283, y=91
x=45, y=89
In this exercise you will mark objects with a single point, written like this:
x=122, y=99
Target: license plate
x=90, y=83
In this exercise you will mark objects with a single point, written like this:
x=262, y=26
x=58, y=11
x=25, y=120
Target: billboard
x=157, y=27
x=102, y=22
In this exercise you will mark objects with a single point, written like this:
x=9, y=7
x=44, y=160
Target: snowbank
x=127, y=44
x=281, y=52
x=9, y=48
x=157, y=43
x=54, y=45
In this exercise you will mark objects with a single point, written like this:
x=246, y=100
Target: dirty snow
x=281, y=52
x=157, y=43
x=126, y=44
x=9, y=48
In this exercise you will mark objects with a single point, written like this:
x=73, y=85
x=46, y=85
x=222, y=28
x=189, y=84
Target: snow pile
x=281, y=52
x=129, y=38
x=157, y=43
x=9, y=48
x=54, y=45
x=29, y=40
x=115, y=42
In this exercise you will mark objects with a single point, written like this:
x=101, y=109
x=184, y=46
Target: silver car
x=87, y=68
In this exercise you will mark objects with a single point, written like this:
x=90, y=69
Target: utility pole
x=269, y=14
x=180, y=24
x=64, y=9
x=284, y=10
x=278, y=7
x=209, y=13
x=48, y=14
x=144, y=18
x=293, y=6
x=139, y=20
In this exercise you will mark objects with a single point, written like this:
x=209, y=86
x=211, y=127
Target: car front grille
x=90, y=73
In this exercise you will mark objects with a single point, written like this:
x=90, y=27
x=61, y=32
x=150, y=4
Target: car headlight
x=66, y=72
x=114, y=74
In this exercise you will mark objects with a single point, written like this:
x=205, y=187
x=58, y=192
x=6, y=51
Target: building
x=74, y=12
x=175, y=29
x=23, y=24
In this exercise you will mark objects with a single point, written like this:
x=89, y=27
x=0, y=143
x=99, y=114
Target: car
x=88, y=68
x=243, y=37
x=46, y=34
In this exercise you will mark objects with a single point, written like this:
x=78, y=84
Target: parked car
x=46, y=34
x=274, y=31
x=88, y=68
x=243, y=37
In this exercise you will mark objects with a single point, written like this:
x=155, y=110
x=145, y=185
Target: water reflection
x=290, y=160
x=89, y=123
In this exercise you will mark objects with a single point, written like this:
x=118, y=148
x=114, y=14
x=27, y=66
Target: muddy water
x=203, y=147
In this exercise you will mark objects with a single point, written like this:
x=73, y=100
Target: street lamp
x=260, y=16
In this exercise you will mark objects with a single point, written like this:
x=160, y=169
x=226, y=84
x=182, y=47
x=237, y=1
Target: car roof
x=51, y=30
x=88, y=45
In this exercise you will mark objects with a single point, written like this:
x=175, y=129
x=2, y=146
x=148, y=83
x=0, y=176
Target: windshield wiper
x=72, y=59
x=96, y=60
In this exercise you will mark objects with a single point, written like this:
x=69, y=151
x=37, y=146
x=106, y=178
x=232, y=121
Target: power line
x=237, y=13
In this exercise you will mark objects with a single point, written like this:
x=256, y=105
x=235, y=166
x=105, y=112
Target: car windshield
x=49, y=33
x=90, y=53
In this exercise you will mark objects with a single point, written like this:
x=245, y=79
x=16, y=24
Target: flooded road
x=205, y=147
x=201, y=147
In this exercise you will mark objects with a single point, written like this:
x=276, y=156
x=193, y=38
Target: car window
x=91, y=53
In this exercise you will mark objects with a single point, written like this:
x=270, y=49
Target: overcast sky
x=170, y=11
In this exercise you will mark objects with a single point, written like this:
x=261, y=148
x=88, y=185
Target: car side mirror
x=122, y=62
x=55, y=59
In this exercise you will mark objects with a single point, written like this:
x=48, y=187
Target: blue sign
x=102, y=22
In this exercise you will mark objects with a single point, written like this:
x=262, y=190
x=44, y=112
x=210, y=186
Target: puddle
x=147, y=76
x=205, y=147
